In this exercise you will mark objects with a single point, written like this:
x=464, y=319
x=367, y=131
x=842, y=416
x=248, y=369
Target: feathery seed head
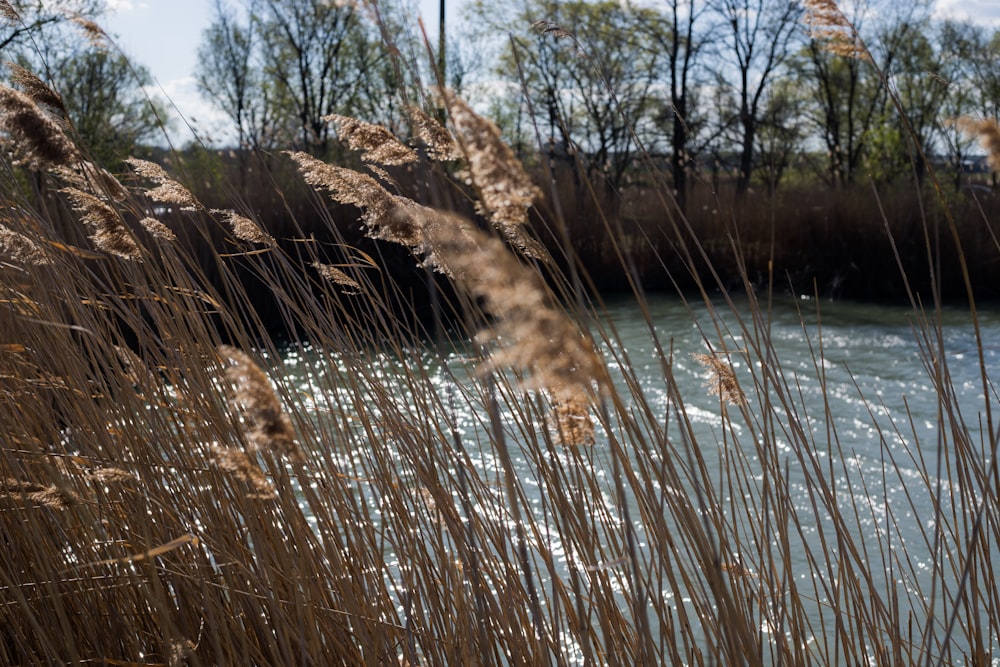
x=36, y=137
x=570, y=422
x=246, y=229
x=377, y=144
x=109, y=231
x=722, y=380
x=551, y=29
x=8, y=12
x=386, y=216
x=85, y=175
x=20, y=248
x=36, y=89
x=95, y=34
x=988, y=132
x=437, y=141
x=828, y=25
x=336, y=276
x=158, y=230
x=53, y=497
x=506, y=192
x=110, y=476
x=269, y=427
x=530, y=332
x=238, y=463
x=168, y=191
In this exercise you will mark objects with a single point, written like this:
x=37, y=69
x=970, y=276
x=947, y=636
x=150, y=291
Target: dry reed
x=828, y=25
x=269, y=428
x=245, y=229
x=8, y=12
x=238, y=462
x=36, y=89
x=505, y=190
x=167, y=191
x=19, y=247
x=533, y=335
x=158, y=230
x=336, y=276
x=987, y=130
x=437, y=141
x=721, y=379
x=147, y=516
x=376, y=143
x=35, y=137
x=110, y=233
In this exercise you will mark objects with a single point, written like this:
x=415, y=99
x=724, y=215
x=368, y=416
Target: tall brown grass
x=170, y=496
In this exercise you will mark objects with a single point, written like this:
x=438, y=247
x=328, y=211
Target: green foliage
x=102, y=91
x=589, y=72
x=110, y=112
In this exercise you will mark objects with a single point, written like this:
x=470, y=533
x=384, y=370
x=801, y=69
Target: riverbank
x=861, y=243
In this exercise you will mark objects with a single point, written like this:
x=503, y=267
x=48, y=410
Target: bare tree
x=674, y=34
x=38, y=16
x=229, y=73
x=849, y=97
x=759, y=40
x=592, y=75
x=280, y=66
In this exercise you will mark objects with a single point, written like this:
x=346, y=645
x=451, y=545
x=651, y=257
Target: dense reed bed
x=169, y=497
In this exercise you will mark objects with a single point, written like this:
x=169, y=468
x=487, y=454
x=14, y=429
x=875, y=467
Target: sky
x=164, y=35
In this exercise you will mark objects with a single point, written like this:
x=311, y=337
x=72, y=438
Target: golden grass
x=504, y=491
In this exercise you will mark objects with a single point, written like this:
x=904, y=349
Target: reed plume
x=570, y=422
x=437, y=141
x=158, y=230
x=270, y=429
x=336, y=276
x=110, y=476
x=34, y=136
x=51, y=496
x=827, y=24
x=532, y=335
x=87, y=176
x=109, y=231
x=8, y=12
x=238, y=463
x=94, y=33
x=721, y=379
x=245, y=229
x=36, y=89
x=386, y=216
x=20, y=248
x=347, y=187
x=506, y=192
x=538, y=338
x=376, y=143
x=987, y=130
x=168, y=191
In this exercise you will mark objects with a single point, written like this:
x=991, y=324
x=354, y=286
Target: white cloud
x=986, y=12
x=120, y=5
x=190, y=116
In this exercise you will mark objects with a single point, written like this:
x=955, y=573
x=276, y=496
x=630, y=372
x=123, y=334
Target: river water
x=859, y=410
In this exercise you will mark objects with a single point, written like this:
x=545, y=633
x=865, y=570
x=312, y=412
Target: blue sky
x=163, y=35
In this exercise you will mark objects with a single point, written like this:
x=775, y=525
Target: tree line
x=762, y=91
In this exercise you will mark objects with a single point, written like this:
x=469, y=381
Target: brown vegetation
x=169, y=496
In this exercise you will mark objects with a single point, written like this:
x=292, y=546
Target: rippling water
x=858, y=381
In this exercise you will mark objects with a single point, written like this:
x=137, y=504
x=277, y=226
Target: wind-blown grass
x=170, y=497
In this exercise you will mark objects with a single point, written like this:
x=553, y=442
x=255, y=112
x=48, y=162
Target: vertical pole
x=441, y=66
x=441, y=45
